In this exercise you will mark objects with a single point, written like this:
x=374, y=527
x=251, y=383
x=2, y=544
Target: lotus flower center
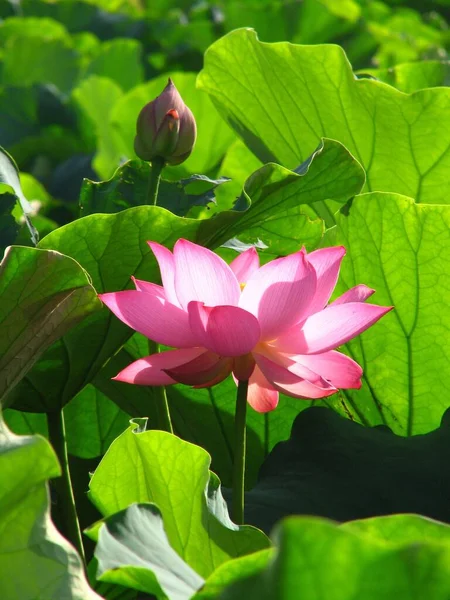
x=242, y=286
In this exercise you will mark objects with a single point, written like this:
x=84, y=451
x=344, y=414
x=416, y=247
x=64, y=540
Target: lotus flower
x=165, y=128
x=270, y=325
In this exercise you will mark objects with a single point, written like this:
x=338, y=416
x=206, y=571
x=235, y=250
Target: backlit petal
x=337, y=368
x=152, y=316
x=204, y=370
x=289, y=383
x=203, y=276
x=331, y=327
x=150, y=369
x=244, y=265
x=359, y=293
x=326, y=262
x=166, y=264
x=279, y=293
x=151, y=288
x=261, y=395
x=226, y=330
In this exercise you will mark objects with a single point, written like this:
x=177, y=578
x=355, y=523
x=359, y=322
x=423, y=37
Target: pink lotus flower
x=271, y=325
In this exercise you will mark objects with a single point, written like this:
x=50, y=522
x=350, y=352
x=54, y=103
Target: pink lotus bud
x=165, y=128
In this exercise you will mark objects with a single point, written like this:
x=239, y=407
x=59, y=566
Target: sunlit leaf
x=282, y=98
x=174, y=475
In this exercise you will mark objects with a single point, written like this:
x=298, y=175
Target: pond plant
x=224, y=348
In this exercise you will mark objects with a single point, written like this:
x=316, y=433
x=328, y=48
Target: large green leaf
x=133, y=551
x=53, y=61
x=120, y=60
x=213, y=135
x=95, y=98
x=402, y=250
x=30, y=26
x=98, y=243
x=282, y=98
x=238, y=164
x=310, y=21
x=9, y=175
x=43, y=295
x=234, y=570
x=37, y=562
x=174, y=475
x=319, y=559
x=332, y=467
x=9, y=228
x=410, y=77
x=92, y=423
x=23, y=423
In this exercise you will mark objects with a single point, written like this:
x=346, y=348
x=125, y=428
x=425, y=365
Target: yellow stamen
x=242, y=286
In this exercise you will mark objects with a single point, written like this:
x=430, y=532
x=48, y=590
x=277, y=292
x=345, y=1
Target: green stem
x=237, y=508
x=153, y=180
x=66, y=512
x=159, y=393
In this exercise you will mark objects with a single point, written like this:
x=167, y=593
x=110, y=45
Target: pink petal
x=166, y=264
x=244, y=265
x=326, y=262
x=280, y=293
x=340, y=370
x=151, y=369
x=152, y=316
x=151, y=288
x=261, y=395
x=203, y=276
x=359, y=293
x=331, y=327
x=291, y=384
x=226, y=330
x=204, y=370
x=218, y=379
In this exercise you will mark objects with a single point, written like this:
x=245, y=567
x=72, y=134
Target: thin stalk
x=159, y=393
x=67, y=520
x=237, y=508
x=153, y=181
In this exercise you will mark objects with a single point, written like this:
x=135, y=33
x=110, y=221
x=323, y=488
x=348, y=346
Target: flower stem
x=153, y=180
x=66, y=517
x=237, y=508
x=159, y=393
x=162, y=407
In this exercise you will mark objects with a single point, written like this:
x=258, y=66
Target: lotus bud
x=165, y=128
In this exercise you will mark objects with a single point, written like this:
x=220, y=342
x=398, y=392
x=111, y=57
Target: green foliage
x=335, y=468
x=301, y=137
x=411, y=77
x=194, y=513
x=378, y=558
x=401, y=250
x=133, y=551
x=95, y=97
x=97, y=243
x=45, y=294
x=129, y=187
x=281, y=111
x=28, y=536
